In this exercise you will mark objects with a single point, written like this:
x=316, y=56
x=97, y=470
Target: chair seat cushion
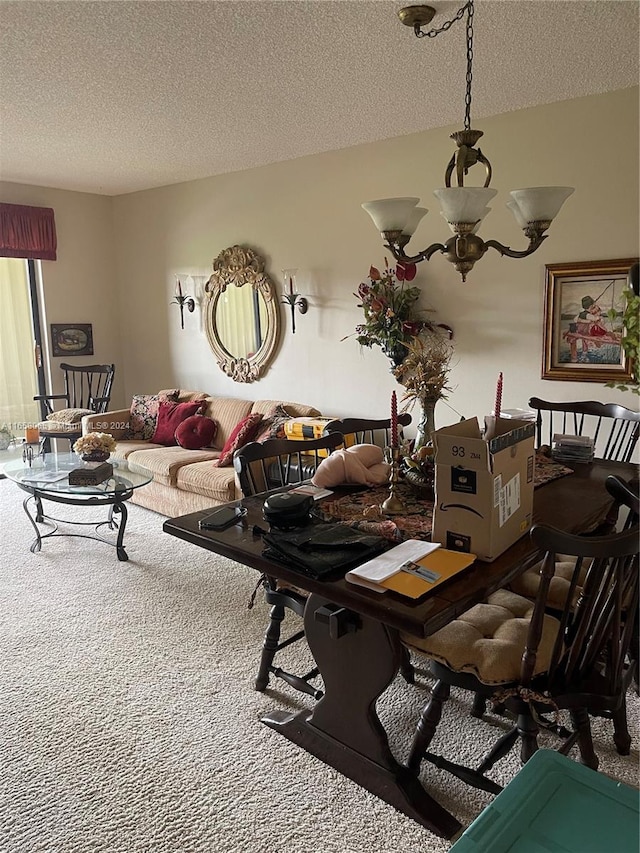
x=488, y=640
x=69, y=416
x=527, y=584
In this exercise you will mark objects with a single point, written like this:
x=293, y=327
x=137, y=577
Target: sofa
x=186, y=480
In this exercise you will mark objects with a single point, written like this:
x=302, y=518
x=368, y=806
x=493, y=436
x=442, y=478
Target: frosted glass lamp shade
x=513, y=207
x=414, y=218
x=464, y=204
x=540, y=204
x=483, y=213
x=390, y=214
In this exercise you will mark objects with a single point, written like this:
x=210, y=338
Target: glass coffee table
x=47, y=479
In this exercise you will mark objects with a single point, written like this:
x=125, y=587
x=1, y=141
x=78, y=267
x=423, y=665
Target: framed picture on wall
x=69, y=339
x=583, y=321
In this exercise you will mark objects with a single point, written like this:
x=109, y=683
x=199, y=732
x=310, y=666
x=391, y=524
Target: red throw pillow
x=243, y=432
x=170, y=416
x=196, y=432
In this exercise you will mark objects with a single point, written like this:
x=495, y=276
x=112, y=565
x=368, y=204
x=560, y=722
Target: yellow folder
x=444, y=563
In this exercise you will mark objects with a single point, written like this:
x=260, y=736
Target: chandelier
x=464, y=208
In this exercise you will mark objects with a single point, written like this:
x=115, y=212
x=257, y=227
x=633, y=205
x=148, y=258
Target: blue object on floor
x=555, y=805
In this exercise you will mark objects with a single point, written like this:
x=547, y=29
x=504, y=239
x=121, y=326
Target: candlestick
x=394, y=420
x=291, y=284
x=178, y=289
x=32, y=435
x=393, y=505
x=498, y=404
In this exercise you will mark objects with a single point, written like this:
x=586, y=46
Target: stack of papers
x=412, y=568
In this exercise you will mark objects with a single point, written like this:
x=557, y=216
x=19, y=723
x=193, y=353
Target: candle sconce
x=183, y=301
x=292, y=298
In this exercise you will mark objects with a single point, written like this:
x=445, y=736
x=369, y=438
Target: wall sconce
x=291, y=297
x=183, y=301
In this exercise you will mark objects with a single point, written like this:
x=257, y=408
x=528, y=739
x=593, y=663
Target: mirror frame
x=238, y=266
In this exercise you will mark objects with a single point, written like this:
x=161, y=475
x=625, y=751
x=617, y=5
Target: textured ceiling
x=113, y=97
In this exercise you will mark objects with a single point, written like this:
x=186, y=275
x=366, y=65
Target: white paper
x=378, y=569
x=316, y=492
x=44, y=477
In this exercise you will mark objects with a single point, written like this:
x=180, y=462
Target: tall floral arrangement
x=424, y=373
x=390, y=314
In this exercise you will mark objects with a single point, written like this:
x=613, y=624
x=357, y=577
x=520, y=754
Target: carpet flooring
x=130, y=723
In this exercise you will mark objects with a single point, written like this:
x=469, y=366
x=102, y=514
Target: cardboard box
x=484, y=488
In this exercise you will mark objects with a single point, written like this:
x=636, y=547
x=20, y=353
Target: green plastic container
x=555, y=805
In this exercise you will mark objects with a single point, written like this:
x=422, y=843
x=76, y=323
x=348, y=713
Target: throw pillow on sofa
x=144, y=414
x=196, y=432
x=272, y=425
x=243, y=432
x=170, y=416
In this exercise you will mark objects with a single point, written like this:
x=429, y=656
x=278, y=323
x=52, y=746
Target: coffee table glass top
x=51, y=474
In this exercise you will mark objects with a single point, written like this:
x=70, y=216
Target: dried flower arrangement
x=94, y=442
x=424, y=373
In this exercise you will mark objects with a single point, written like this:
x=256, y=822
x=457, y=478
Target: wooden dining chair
x=367, y=430
x=87, y=390
x=514, y=651
x=614, y=428
x=271, y=464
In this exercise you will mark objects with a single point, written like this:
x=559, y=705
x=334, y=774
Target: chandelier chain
x=468, y=8
x=447, y=24
x=467, y=97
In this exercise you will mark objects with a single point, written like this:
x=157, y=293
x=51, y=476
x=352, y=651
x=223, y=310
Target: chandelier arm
x=425, y=255
x=534, y=244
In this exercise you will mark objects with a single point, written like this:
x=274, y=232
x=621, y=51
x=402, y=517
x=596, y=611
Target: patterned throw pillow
x=69, y=416
x=272, y=425
x=170, y=416
x=144, y=413
x=196, y=432
x=243, y=432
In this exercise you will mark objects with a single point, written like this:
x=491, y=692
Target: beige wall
x=79, y=287
x=306, y=214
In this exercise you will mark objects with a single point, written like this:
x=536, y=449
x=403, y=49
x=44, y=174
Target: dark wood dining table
x=353, y=634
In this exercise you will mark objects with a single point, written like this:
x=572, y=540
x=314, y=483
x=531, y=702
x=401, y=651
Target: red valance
x=27, y=232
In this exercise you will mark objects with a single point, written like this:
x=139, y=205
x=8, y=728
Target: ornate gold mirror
x=242, y=320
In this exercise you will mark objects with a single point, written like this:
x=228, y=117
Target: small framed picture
x=583, y=321
x=68, y=339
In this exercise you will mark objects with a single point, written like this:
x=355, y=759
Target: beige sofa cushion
x=203, y=478
x=227, y=412
x=165, y=462
x=296, y=410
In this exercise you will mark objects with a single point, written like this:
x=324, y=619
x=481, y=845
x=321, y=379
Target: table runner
x=361, y=510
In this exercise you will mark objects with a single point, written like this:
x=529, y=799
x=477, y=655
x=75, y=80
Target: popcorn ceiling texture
x=130, y=723
x=113, y=97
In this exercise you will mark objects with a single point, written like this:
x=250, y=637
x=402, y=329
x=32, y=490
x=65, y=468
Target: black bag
x=288, y=509
x=323, y=550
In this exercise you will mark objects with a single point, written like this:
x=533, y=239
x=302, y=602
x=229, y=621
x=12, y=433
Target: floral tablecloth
x=362, y=509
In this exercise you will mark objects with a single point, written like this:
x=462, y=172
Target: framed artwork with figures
x=583, y=328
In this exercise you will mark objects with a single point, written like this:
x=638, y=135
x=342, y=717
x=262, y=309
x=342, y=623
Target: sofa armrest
x=116, y=423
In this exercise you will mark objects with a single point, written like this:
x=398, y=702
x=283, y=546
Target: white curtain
x=18, y=382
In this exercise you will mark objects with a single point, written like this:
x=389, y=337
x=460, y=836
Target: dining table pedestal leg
x=358, y=657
